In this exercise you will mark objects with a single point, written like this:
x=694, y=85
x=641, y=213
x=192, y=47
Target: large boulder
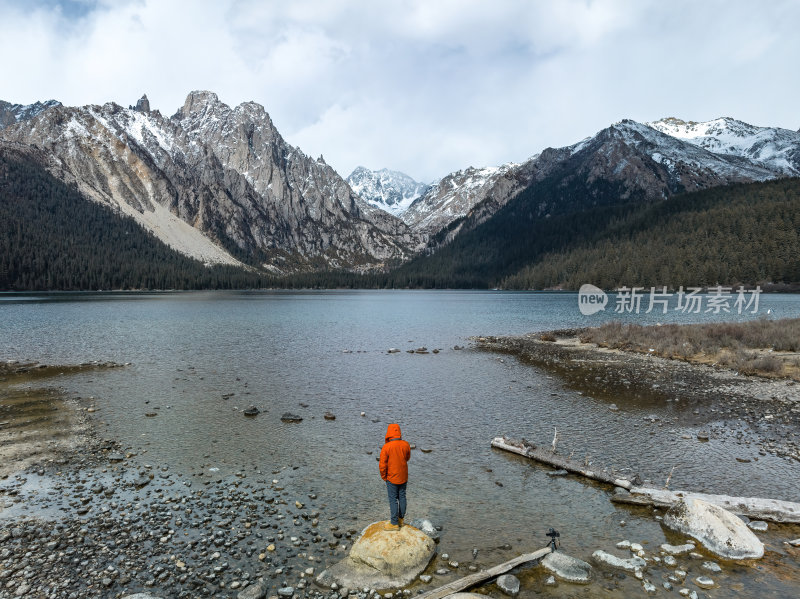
x=717, y=529
x=382, y=559
x=567, y=568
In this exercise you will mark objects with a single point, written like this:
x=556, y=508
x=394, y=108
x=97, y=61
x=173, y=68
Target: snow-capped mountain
x=391, y=191
x=624, y=162
x=452, y=197
x=11, y=114
x=217, y=183
x=772, y=147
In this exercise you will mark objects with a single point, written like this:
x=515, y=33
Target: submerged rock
x=560, y=472
x=508, y=584
x=427, y=527
x=252, y=411
x=289, y=417
x=677, y=549
x=704, y=582
x=382, y=558
x=717, y=529
x=567, y=568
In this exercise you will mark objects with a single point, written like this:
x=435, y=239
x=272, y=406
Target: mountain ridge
x=246, y=195
x=220, y=184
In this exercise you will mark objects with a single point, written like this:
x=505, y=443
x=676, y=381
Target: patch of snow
x=771, y=147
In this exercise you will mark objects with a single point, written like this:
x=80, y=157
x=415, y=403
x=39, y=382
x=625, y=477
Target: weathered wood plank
x=478, y=577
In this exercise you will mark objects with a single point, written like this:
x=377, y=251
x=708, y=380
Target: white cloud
x=424, y=87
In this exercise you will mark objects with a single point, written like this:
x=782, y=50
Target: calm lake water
x=327, y=350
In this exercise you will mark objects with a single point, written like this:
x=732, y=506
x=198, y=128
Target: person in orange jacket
x=393, y=465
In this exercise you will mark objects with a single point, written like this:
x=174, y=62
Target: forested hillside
x=747, y=233
x=553, y=235
x=52, y=238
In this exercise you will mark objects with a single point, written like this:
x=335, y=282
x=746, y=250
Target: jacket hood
x=393, y=432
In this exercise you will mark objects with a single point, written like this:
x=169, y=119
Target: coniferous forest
x=52, y=238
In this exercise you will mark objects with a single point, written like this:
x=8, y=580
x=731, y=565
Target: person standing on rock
x=393, y=465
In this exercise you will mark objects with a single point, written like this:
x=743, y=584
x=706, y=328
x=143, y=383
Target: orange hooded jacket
x=395, y=454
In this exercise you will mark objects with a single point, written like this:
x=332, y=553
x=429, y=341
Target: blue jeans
x=397, y=500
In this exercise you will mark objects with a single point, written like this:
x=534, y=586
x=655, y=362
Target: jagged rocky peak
x=143, y=104
x=11, y=114
x=198, y=102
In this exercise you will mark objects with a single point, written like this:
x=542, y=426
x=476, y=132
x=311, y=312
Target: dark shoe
x=400, y=522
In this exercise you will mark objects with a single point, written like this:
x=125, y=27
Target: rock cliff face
x=217, y=183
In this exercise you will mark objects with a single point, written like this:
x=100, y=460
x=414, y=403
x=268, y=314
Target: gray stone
x=256, y=590
x=704, y=582
x=607, y=559
x=427, y=527
x=677, y=549
x=670, y=561
x=758, y=525
x=567, y=568
x=648, y=587
x=717, y=529
x=286, y=591
x=795, y=543
x=508, y=584
x=711, y=567
x=141, y=596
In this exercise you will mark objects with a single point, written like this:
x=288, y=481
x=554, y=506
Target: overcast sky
x=425, y=87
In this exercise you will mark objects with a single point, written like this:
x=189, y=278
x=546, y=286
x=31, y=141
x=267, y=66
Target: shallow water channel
x=197, y=360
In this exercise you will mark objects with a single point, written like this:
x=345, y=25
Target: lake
x=326, y=351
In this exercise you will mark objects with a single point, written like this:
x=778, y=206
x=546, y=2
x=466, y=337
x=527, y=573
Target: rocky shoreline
x=97, y=519
x=770, y=407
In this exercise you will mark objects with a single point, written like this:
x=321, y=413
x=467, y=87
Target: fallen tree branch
x=773, y=510
x=473, y=579
x=548, y=457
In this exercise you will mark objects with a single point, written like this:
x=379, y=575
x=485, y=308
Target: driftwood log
x=757, y=508
x=478, y=577
x=546, y=456
x=773, y=510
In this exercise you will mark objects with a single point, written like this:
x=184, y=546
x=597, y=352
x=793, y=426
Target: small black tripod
x=553, y=534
